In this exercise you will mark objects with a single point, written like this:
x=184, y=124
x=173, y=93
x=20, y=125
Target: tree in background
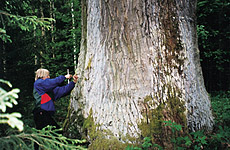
x=52, y=47
x=47, y=138
x=35, y=46
x=214, y=35
x=139, y=65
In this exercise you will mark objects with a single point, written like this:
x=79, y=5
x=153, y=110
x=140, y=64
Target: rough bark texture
x=136, y=57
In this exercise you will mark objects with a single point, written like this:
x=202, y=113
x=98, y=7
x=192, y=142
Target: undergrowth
x=47, y=138
x=218, y=139
x=50, y=138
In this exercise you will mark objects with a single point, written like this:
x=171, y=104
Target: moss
x=147, y=98
x=89, y=63
x=153, y=123
x=102, y=143
x=71, y=126
x=171, y=108
x=67, y=120
x=100, y=139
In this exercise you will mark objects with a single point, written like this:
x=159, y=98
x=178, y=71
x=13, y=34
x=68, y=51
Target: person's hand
x=68, y=76
x=75, y=77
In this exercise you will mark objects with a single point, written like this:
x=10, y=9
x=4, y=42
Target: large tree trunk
x=138, y=66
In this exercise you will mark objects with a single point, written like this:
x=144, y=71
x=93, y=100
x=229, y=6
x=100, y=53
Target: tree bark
x=139, y=66
x=74, y=35
x=52, y=15
x=3, y=54
x=43, y=36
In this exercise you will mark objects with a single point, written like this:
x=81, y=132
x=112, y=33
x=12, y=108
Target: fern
x=48, y=138
x=7, y=99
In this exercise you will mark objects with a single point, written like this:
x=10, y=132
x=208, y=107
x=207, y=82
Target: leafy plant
x=26, y=23
x=199, y=140
x=48, y=138
x=221, y=106
x=213, y=40
x=175, y=127
x=7, y=99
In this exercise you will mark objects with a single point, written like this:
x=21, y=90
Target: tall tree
x=138, y=66
x=52, y=15
x=74, y=35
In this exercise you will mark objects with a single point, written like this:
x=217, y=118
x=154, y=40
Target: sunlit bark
x=74, y=35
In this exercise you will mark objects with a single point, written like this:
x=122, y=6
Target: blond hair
x=41, y=73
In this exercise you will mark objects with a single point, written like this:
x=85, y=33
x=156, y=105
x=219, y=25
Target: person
x=45, y=92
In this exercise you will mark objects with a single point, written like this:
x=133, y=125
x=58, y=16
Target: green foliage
x=48, y=138
x=195, y=140
x=7, y=99
x=57, y=55
x=26, y=23
x=48, y=44
x=174, y=127
x=4, y=36
x=218, y=139
x=221, y=110
x=213, y=39
x=153, y=124
x=221, y=105
x=202, y=34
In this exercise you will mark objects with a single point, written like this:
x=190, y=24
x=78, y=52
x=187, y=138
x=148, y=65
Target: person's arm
x=63, y=90
x=49, y=84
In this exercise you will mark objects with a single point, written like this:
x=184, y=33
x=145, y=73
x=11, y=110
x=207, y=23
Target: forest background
x=29, y=40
